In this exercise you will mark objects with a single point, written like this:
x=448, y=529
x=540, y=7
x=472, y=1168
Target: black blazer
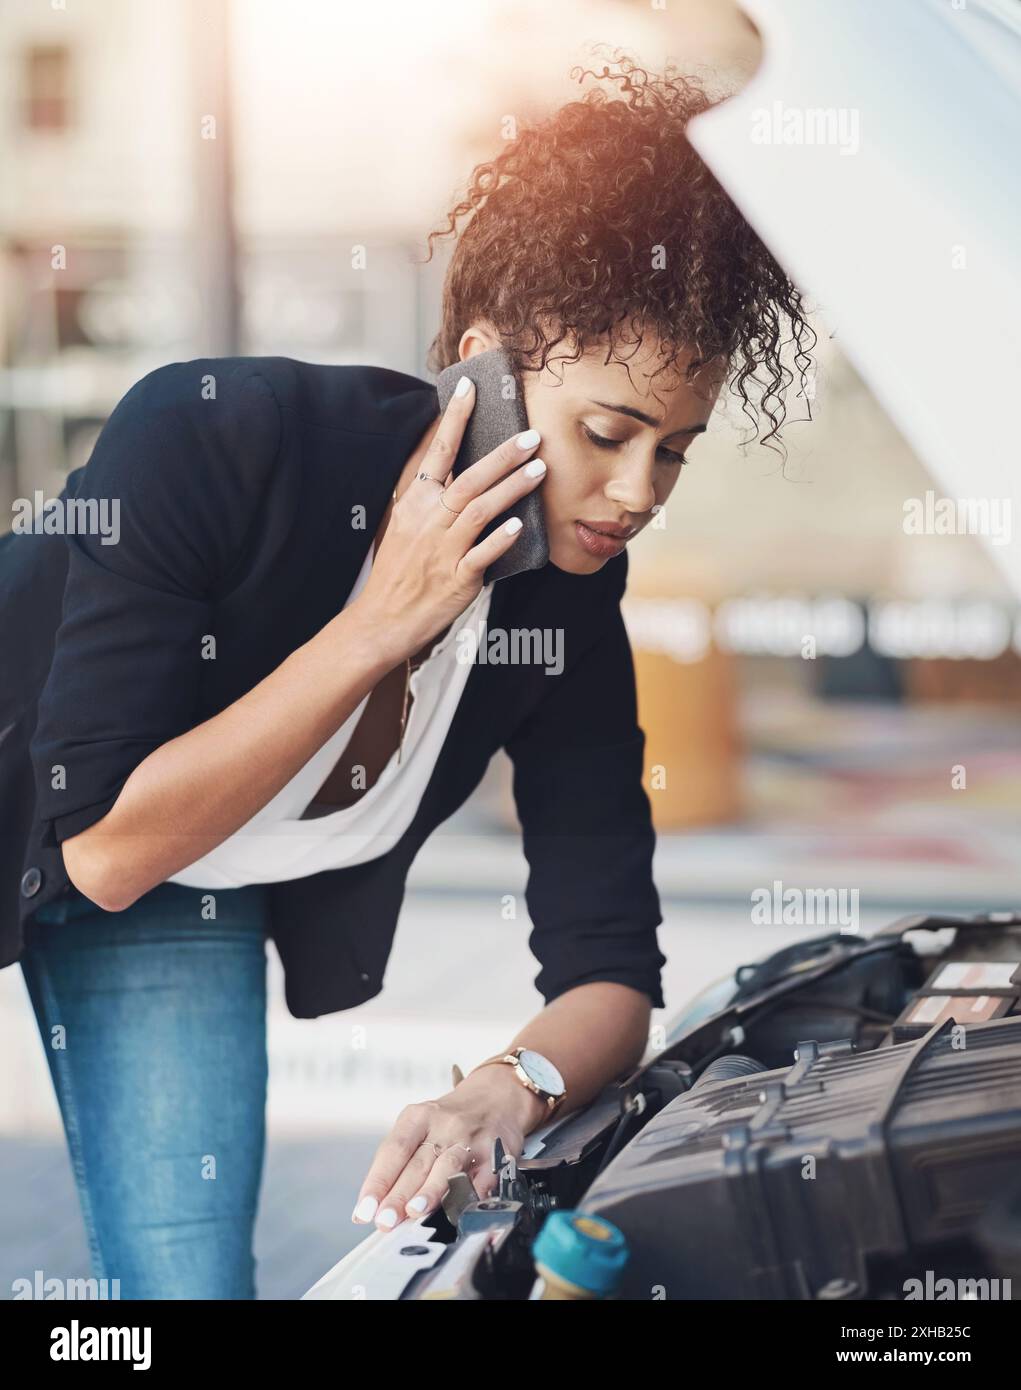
x=246, y=514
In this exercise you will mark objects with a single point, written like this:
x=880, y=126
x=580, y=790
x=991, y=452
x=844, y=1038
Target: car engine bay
x=834, y=1122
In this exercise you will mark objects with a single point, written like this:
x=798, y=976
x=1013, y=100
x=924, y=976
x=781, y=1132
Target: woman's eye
x=672, y=456
x=602, y=442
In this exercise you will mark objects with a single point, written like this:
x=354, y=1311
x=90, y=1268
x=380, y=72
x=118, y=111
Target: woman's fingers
x=466, y=516
x=426, y=1195
x=392, y=1157
x=420, y=580
x=439, y=457
x=492, y=468
x=394, y=1200
x=472, y=566
x=400, y=1174
x=479, y=512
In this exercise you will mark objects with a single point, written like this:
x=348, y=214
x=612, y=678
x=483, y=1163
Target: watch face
x=542, y=1071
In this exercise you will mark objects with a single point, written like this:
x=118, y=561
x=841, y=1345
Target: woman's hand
x=435, y=1139
x=428, y=567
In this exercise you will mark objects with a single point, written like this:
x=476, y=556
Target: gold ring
x=439, y=498
x=467, y=1148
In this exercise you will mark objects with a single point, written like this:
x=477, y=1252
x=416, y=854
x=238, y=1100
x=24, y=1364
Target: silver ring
x=431, y=479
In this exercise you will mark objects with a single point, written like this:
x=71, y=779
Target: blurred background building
x=202, y=178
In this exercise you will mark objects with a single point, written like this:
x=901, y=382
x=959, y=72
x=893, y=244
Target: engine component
x=968, y=991
x=826, y=1175
x=578, y=1257
x=728, y=1069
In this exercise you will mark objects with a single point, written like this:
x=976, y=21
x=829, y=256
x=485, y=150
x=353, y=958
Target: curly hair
x=601, y=223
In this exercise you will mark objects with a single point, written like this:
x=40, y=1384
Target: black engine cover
x=806, y=1182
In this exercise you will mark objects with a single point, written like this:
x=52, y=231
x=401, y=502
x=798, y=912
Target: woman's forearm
x=592, y=1034
x=196, y=790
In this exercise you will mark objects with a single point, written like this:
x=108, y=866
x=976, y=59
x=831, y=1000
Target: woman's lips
x=597, y=542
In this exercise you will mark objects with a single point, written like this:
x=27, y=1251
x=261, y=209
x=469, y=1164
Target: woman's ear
x=478, y=337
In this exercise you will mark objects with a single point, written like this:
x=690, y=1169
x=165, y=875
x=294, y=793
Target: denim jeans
x=153, y=1021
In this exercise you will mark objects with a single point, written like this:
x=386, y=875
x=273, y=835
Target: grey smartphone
x=498, y=415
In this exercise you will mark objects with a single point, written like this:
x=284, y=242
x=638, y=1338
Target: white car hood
x=904, y=231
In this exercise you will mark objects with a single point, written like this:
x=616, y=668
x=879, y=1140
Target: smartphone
x=499, y=414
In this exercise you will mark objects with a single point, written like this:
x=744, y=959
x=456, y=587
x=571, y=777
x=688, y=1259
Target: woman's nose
x=632, y=489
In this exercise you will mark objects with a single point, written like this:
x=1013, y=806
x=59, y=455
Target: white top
x=275, y=844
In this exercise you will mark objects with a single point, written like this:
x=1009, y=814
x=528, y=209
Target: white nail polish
x=387, y=1218
x=464, y=385
x=417, y=1204
x=513, y=525
x=365, y=1210
x=528, y=440
x=535, y=469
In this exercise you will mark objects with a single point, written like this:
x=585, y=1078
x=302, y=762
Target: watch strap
x=512, y=1058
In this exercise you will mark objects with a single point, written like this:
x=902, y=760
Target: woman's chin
x=567, y=552
x=573, y=560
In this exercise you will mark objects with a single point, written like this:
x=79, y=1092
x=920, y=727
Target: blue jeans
x=153, y=1022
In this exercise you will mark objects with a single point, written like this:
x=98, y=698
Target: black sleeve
x=586, y=822
x=175, y=479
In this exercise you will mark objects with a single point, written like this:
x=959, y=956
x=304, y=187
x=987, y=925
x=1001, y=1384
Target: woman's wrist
x=528, y=1109
x=379, y=637
x=366, y=644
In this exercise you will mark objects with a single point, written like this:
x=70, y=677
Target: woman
x=243, y=715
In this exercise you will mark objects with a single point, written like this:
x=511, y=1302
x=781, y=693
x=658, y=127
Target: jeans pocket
x=72, y=905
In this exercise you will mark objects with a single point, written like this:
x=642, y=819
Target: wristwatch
x=534, y=1071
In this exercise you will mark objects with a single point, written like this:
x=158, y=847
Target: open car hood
x=900, y=222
